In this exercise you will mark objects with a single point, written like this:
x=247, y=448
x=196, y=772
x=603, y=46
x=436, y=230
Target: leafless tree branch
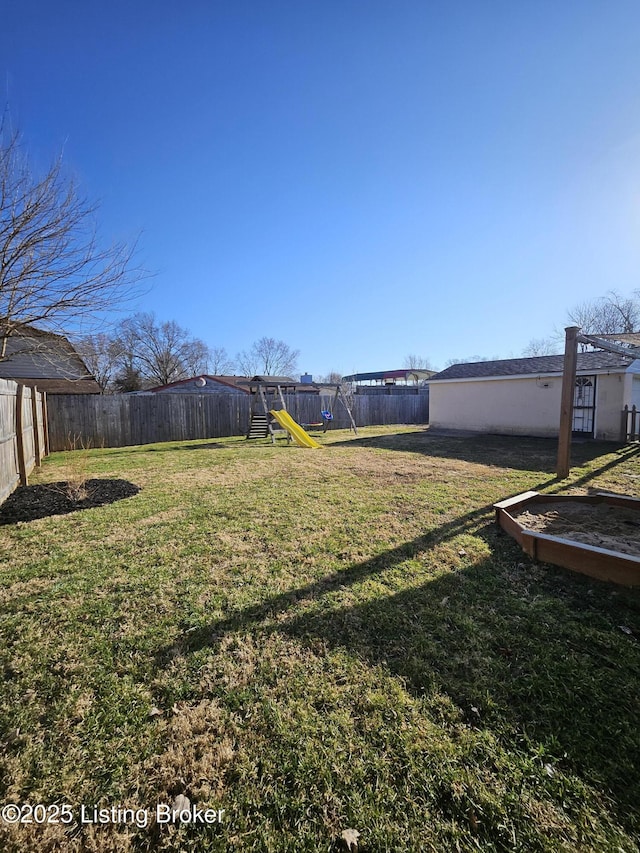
x=55, y=274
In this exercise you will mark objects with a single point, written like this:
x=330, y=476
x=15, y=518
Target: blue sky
x=362, y=179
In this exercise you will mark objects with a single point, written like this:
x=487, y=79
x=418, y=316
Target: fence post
x=633, y=433
x=624, y=434
x=22, y=462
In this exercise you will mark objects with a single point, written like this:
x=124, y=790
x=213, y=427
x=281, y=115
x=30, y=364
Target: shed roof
x=537, y=365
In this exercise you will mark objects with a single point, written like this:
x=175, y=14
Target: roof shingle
x=541, y=364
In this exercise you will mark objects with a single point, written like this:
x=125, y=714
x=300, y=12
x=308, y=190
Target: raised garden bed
x=597, y=535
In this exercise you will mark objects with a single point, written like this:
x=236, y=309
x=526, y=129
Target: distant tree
x=220, y=363
x=416, y=362
x=470, y=359
x=542, y=346
x=101, y=354
x=331, y=378
x=608, y=315
x=268, y=357
x=159, y=352
x=54, y=272
x=128, y=379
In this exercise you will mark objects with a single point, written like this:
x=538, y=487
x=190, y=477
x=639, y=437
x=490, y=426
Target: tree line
x=143, y=352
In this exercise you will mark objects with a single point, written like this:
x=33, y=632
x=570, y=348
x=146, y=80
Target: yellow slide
x=295, y=430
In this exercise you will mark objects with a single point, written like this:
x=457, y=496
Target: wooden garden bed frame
x=599, y=563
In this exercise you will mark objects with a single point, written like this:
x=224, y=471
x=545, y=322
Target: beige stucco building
x=521, y=396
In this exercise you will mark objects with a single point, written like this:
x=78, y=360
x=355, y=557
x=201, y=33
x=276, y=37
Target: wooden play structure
x=269, y=410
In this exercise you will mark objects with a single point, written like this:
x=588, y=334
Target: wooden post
x=37, y=450
x=566, y=406
x=22, y=462
x=624, y=426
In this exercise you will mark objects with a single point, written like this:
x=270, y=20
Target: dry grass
x=316, y=641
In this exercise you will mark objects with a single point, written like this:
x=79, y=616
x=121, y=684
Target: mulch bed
x=30, y=502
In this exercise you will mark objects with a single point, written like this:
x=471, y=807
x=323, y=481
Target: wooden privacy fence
x=120, y=420
x=23, y=434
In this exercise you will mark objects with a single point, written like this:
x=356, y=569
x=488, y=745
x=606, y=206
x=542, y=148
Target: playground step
x=258, y=427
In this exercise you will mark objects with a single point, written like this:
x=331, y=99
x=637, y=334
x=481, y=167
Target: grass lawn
x=317, y=641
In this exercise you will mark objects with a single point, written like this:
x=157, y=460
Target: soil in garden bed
x=602, y=525
x=30, y=502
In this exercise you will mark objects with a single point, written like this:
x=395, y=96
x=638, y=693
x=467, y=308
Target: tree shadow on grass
x=30, y=502
x=531, y=653
x=543, y=658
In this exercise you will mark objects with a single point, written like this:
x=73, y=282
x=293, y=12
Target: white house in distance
x=521, y=396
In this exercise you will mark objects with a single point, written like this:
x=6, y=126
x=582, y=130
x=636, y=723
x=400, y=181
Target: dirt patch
x=602, y=525
x=30, y=502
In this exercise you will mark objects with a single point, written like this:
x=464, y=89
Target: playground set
x=269, y=412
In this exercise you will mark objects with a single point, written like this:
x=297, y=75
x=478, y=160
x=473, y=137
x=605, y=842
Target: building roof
x=46, y=360
x=237, y=382
x=588, y=362
x=243, y=383
x=63, y=386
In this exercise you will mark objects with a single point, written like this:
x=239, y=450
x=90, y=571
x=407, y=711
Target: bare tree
x=220, y=363
x=159, y=352
x=101, y=354
x=331, y=378
x=54, y=272
x=542, y=346
x=268, y=357
x=416, y=362
x=470, y=359
x=608, y=315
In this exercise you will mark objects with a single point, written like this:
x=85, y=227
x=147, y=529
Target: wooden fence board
x=22, y=434
x=123, y=420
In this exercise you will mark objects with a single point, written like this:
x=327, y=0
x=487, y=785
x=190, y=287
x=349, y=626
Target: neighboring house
x=203, y=384
x=37, y=358
x=403, y=381
x=208, y=384
x=521, y=396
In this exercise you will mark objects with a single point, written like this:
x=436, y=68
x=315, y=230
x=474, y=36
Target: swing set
x=269, y=411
